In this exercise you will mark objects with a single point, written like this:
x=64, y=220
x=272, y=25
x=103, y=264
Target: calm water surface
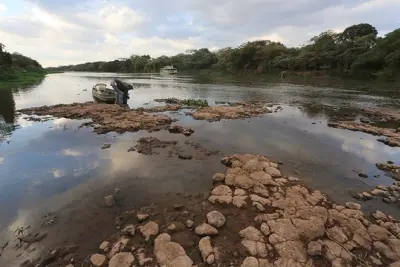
x=45, y=166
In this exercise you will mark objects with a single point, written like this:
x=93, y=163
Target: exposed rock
x=182, y=130
x=259, y=199
x=185, y=156
x=98, y=260
x=119, y=246
x=386, y=251
x=314, y=249
x=105, y=246
x=275, y=173
x=251, y=233
x=284, y=230
x=142, y=258
x=219, y=177
x=178, y=206
x=239, y=192
x=123, y=259
x=292, y=250
x=378, y=233
x=205, y=247
x=310, y=229
x=265, y=229
x=337, y=234
x=216, y=219
x=109, y=200
x=170, y=254
x=352, y=205
x=105, y=146
x=250, y=262
x=149, y=230
x=253, y=165
x=221, y=194
x=239, y=201
x=129, y=230
x=379, y=215
x=189, y=223
x=205, y=229
x=141, y=217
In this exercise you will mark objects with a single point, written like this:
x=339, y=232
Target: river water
x=54, y=166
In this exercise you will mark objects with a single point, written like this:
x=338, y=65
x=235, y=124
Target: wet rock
x=149, y=230
x=250, y=262
x=178, y=207
x=239, y=192
x=205, y=247
x=185, y=156
x=141, y=217
x=129, y=230
x=98, y=260
x=123, y=259
x=216, y=219
x=142, y=258
x=219, y=177
x=109, y=200
x=386, y=251
x=314, y=249
x=259, y=199
x=105, y=146
x=182, y=130
x=170, y=254
x=205, y=230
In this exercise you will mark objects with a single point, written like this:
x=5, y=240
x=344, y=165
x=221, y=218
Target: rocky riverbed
x=253, y=216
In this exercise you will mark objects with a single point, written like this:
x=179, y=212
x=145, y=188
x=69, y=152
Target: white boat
x=102, y=93
x=169, y=70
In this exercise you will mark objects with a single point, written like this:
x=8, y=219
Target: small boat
x=169, y=70
x=102, y=93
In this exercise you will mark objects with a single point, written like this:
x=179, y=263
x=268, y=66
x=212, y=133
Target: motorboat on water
x=102, y=93
x=169, y=70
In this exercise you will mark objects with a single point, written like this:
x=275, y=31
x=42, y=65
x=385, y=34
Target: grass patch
x=194, y=102
x=21, y=78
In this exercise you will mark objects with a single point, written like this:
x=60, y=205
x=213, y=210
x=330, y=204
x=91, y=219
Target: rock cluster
x=388, y=194
x=392, y=136
x=182, y=130
x=299, y=225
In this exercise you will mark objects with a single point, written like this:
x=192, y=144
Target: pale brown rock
x=378, y=233
x=284, y=229
x=239, y=201
x=256, y=198
x=123, y=259
x=150, y=229
x=252, y=233
x=314, y=249
x=379, y=215
x=337, y=234
x=170, y=254
x=265, y=229
x=292, y=250
x=219, y=177
x=239, y=192
x=261, y=177
x=205, y=247
x=250, y=262
x=205, y=229
x=275, y=173
x=251, y=246
x=105, y=246
x=310, y=229
x=98, y=260
x=216, y=219
x=352, y=205
x=119, y=246
x=141, y=217
x=386, y=251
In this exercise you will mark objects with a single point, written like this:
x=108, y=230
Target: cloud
x=3, y=8
x=1, y=160
x=72, y=152
x=57, y=173
x=69, y=32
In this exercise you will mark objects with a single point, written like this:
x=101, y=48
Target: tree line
x=357, y=51
x=10, y=64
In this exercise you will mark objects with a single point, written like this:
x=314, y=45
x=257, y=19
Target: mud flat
x=392, y=135
x=105, y=118
x=254, y=216
x=216, y=113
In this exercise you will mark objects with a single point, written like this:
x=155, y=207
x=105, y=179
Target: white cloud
x=1, y=160
x=70, y=32
x=57, y=173
x=72, y=152
x=3, y=8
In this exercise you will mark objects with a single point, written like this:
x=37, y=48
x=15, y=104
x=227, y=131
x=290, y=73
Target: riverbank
x=21, y=78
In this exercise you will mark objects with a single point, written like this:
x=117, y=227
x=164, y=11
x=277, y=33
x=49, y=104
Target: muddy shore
x=253, y=216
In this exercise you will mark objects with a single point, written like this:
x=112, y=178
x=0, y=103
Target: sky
x=63, y=32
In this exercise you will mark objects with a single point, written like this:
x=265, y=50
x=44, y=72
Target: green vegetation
x=194, y=102
x=357, y=52
x=18, y=70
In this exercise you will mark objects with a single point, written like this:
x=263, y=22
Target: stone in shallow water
x=98, y=260
x=149, y=230
x=109, y=200
x=352, y=205
x=219, y=177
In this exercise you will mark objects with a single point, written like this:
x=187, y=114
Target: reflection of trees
x=7, y=106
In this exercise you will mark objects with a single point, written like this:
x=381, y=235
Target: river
x=56, y=167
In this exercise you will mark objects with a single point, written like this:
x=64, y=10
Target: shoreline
x=268, y=219
x=23, y=79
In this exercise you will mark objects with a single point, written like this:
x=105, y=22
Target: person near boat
x=121, y=88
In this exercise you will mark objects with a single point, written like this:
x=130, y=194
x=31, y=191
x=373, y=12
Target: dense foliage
x=357, y=51
x=14, y=66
